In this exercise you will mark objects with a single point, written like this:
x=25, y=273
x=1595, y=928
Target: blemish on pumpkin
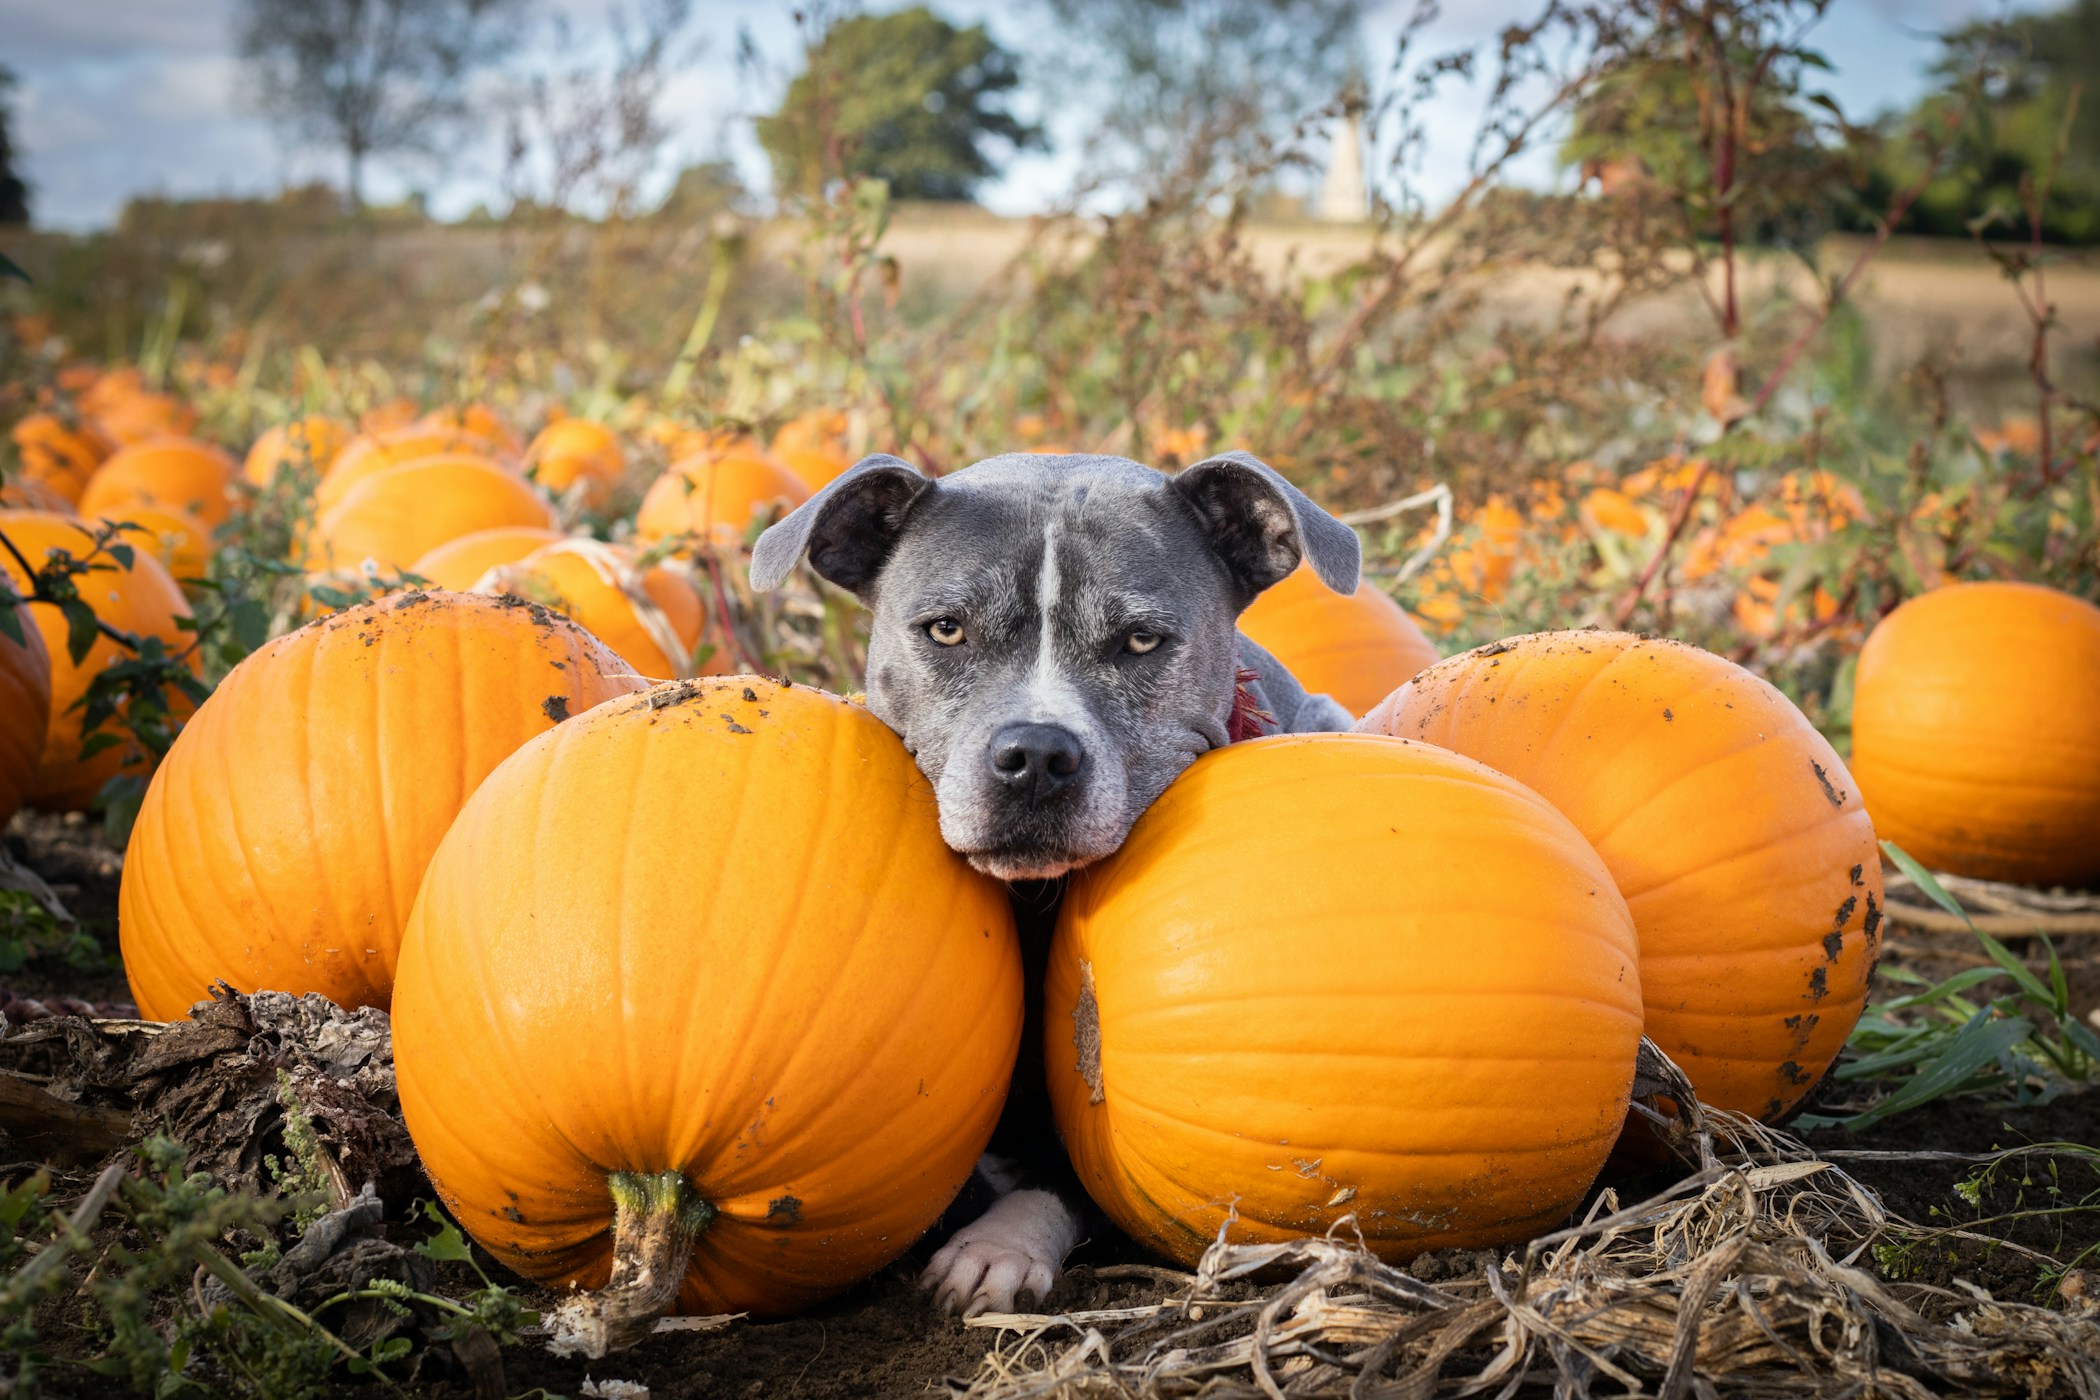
x=751, y=695
x=1086, y=1033
x=1803, y=1026
x=1833, y=944
x=1818, y=985
x=1854, y=875
x=1667, y=715
x=1342, y=1197
x=734, y=727
x=784, y=1212
x=514, y=1215
x=1793, y=1073
x=556, y=707
x=1307, y=1169
x=1844, y=914
x=1873, y=923
x=1837, y=799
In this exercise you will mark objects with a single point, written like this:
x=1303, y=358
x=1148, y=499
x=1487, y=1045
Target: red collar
x=1248, y=718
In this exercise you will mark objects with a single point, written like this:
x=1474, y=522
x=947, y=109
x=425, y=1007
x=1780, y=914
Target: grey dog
x=1055, y=639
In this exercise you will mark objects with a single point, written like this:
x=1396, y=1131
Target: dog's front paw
x=1017, y=1247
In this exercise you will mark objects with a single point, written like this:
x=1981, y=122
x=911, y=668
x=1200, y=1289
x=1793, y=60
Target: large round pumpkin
x=141, y=599
x=1408, y=993
x=172, y=475
x=306, y=444
x=56, y=455
x=651, y=616
x=703, y=952
x=1729, y=823
x=367, y=455
x=1976, y=732
x=396, y=516
x=1356, y=647
x=25, y=709
x=461, y=564
x=572, y=450
x=715, y=497
x=281, y=843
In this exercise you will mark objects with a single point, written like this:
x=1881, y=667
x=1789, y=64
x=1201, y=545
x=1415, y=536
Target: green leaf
x=96, y=743
x=2016, y=969
x=1922, y=878
x=10, y=268
x=447, y=1246
x=250, y=620
x=124, y=554
x=121, y=797
x=11, y=623
x=1978, y=1044
x=83, y=628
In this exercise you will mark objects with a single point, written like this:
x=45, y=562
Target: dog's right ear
x=847, y=529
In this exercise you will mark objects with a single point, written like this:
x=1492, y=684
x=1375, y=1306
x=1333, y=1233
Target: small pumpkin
x=179, y=540
x=133, y=415
x=572, y=450
x=172, y=475
x=461, y=564
x=1976, y=732
x=1730, y=825
x=813, y=446
x=396, y=516
x=716, y=497
x=651, y=617
x=1356, y=648
x=801, y=1024
x=477, y=420
x=281, y=843
x=25, y=708
x=141, y=599
x=306, y=444
x=55, y=455
x=1409, y=995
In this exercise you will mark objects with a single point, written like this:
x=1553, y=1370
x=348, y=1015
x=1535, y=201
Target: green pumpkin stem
x=657, y=1218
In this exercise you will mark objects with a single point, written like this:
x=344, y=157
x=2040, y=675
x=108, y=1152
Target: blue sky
x=126, y=97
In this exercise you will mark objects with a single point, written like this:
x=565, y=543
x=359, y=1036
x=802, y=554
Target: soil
x=883, y=1338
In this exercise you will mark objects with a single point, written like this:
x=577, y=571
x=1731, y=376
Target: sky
x=119, y=98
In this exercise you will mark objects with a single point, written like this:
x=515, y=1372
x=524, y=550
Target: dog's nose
x=1035, y=759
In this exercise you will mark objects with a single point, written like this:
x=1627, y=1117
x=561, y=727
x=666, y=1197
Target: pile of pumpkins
x=454, y=496
x=689, y=962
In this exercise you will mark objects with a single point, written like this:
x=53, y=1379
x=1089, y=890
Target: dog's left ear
x=847, y=529
x=1261, y=525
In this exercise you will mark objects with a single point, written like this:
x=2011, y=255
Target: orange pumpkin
x=572, y=450
x=651, y=617
x=26, y=493
x=281, y=844
x=369, y=455
x=132, y=415
x=476, y=420
x=1976, y=732
x=715, y=497
x=395, y=517
x=25, y=709
x=180, y=541
x=173, y=475
x=1355, y=648
x=461, y=564
x=861, y=989
x=306, y=444
x=813, y=446
x=1729, y=823
x=141, y=599
x=55, y=455
x=1410, y=996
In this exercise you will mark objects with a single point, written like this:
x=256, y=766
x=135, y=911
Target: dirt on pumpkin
x=883, y=1338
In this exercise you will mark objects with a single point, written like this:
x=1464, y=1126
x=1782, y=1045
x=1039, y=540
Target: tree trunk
x=357, y=178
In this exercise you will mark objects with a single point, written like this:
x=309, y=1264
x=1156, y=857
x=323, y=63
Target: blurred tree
x=2035, y=68
x=906, y=97
x=1185, y=89
x=374, y=77
x=14, y=192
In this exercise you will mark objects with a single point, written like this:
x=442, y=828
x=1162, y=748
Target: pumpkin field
x=459, y=937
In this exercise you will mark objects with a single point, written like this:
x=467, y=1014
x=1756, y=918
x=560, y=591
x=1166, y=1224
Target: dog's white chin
x=1001, y=866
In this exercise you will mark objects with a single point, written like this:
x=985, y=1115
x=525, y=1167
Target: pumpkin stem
x=656, y=1220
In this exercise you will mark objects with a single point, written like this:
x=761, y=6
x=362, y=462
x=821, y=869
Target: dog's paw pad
x=1015, y=1249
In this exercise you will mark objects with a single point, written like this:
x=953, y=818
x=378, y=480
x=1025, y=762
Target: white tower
x=1343, y=198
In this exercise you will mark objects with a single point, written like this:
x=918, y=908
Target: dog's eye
x=1141, y=642
x=946, y=631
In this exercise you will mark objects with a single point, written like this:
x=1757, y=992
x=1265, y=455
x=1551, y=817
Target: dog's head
x=1054, y=637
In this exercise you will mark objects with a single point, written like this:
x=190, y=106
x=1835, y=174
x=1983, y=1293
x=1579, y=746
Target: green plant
x=2022, y=1045
x=29, y=932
